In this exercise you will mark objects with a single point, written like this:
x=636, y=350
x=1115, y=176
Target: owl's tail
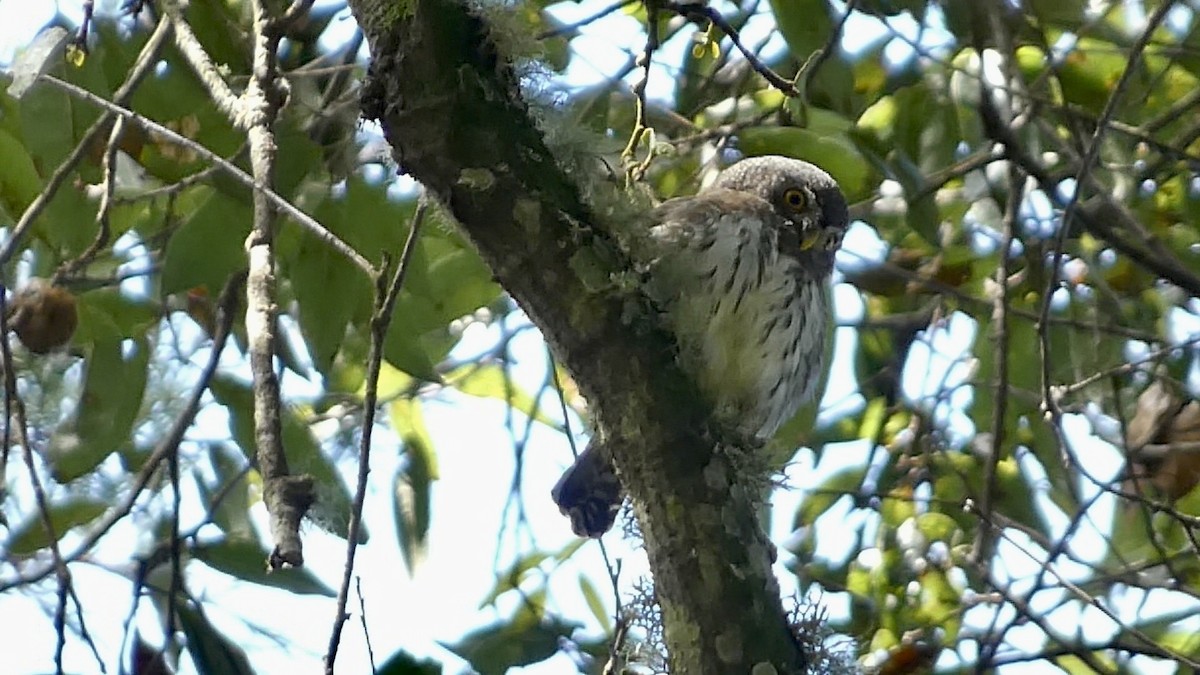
x=589, y=492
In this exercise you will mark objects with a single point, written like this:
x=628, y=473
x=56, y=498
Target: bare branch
x=385, y=304
x=230, y=169
x=287, y=497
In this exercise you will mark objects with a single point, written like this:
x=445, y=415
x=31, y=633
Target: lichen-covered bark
x=451, y=108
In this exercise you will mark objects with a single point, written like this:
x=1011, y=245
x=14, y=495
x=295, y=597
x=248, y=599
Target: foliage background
x=964, y=497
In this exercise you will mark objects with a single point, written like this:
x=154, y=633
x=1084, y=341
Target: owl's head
x=801, y=193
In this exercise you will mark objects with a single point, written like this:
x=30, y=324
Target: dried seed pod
x=43, y=316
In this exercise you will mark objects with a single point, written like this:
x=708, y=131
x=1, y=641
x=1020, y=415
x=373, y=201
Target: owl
x=740, y=272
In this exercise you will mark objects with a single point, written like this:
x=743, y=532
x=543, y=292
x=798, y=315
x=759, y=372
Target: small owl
x=741, y=273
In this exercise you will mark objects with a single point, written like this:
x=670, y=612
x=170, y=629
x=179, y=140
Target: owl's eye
x=795, y=198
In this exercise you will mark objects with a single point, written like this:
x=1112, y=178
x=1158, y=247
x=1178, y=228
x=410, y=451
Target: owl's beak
x=810, y=238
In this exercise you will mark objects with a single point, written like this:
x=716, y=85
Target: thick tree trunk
x=451, y=108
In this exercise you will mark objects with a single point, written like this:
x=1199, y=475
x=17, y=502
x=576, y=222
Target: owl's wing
x=693, y=238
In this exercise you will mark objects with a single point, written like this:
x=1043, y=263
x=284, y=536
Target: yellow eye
x=795, y=198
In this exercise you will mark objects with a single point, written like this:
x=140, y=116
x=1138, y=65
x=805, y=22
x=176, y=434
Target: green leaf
x=297, y=157
x=403, y=346
x=940, y=603
x=445, y=280
x=68, y=224
x=232, y=486
x=569, y=550
x=406, y=418
x=330, y=292
x=37, y=58
x=1074, y=665
x=208, y=246
x=367, y=219
x=487, y=380
x=1059, y=12
x=46, y=126
x=937, y=526
x=19, y=180
x=211, y=652
x=512, y=577
x=451, y=283
x=331, y=512
x=246, y=560
x=113, y=387
x=410, y=501
x=403, y=663
x=804, y=24
x=1182, y=640
x=819, y=499
x=30, y=534
x=922, y=209
x=221, y=28
x=898, y=506
x=459, y=281
x=699, y=64
x=523, y=641
x=871, y=425
x=106, y=314
x=595, y=603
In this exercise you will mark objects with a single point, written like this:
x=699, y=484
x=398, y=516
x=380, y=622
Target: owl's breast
x=750, y=326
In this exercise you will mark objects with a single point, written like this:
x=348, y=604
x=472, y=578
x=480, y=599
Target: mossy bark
x=451, y=108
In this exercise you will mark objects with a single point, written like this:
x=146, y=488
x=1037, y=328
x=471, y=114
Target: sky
x=441, y=601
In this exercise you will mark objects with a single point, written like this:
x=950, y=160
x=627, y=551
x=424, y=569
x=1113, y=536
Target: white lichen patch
x=763, y=668
x=527, y=212
x=729, y=647
x=477, y=178
x=715, y=475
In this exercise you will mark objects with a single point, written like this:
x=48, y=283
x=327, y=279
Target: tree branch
x=287, y=497
x=381, y=319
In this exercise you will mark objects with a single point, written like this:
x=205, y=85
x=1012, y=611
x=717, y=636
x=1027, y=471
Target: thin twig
x=362, y=615
x=1081, y=181
x=62, y=574
x=814, y=63
x=1000, y=335
x=634, y=169
x=699, y=11
x=293, y=13
x=144, y=64
x=230, y=169
x=1049, y=404
x=381, y=319
x=572, y=27
x=984, y=542
x=210, y=76
x=176, y=555
x=103, y=231
x=1062, y=391
x=930, y=284
x=226, y=306
x=172, y=189
x=1153, y=645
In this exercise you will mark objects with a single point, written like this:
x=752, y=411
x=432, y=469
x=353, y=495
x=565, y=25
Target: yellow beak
x=810, y=239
